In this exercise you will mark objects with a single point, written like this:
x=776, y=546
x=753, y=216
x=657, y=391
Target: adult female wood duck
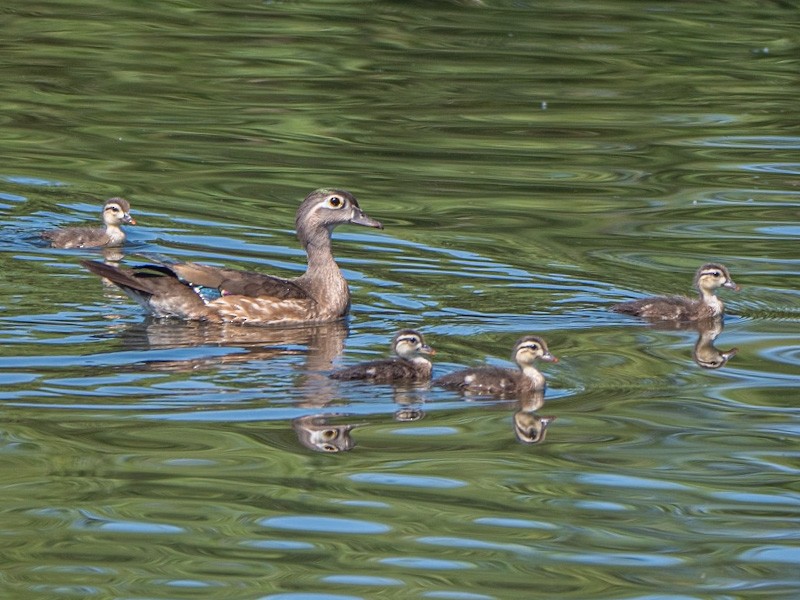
x=707, y=280
x=116, y=212
x=411, y=363
x=318, y=295
x=497, y=381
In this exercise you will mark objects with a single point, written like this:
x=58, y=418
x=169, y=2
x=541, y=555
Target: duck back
x=483, y=381
x=81, y=237
x=386, y=371
x=668, y=308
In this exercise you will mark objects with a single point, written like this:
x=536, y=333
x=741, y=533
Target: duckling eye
x=329, y=434
x=113, y=208
x=335, y=202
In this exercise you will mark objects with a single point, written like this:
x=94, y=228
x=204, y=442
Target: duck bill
x=361, y=218
x=128, y=219
x=732, y=285
x=427, y=350
x=549, y=358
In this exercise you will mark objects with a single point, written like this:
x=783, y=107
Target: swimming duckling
x=497, y=381
x=116, y=212
x=319, y=295
x=411, y=363
x=707, y=280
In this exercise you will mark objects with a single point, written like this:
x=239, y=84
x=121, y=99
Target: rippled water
x=533, y=164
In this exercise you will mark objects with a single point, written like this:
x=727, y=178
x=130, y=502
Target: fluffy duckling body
x=707, y=280
x=116, y=212
x=412, y=363
x=497, y=381
x=320, y=294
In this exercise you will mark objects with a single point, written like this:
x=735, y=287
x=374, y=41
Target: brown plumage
x=497, y=381
x=411, y=363
x=707, y=280
x=318, y=295
x=116, y=212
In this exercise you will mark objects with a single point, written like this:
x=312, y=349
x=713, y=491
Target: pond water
x=533, y=163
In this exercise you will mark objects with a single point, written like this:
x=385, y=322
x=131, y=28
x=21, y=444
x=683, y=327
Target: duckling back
x=386, y=371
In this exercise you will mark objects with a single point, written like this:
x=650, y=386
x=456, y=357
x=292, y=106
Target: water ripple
x=319, y=524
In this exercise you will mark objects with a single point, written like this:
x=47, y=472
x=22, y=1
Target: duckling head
x=410, y=344
x=712, y=276
x=117, y=211
x=530, y=348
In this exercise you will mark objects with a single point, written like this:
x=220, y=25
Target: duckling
x=116, y=211
x=707, y=280
x=411, y=363
x=319, y=295
x=497, y=381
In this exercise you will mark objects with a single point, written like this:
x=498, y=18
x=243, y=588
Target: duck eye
x=335, y=202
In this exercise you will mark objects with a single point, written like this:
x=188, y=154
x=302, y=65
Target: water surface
x=533, y=164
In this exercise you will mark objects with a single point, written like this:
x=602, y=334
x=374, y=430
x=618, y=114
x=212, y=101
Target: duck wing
x=239, y=283
x=156, y=288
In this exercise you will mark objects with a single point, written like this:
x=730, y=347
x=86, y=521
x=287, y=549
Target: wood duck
x=707, y=280
x=116, y=212
x=497, y=381
x=318, y=295
x=411, y=363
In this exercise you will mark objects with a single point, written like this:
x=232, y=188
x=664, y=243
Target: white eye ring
x=335, y=202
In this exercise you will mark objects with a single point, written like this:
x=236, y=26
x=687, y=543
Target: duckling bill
x=708, y=279
x=320, y=294
x=116, y=212
x=411, y=365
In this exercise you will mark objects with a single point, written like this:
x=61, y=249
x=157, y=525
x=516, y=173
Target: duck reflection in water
x=705, y=353
x=320, y=343
x=530, y=427
x=321, y=434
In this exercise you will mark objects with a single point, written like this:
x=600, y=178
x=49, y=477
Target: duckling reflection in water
x=529, y=427
x=411, y=365
x=317, y=433
x=116, y=212
x=497, y=381
x=708, y=279
x=704, y=353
